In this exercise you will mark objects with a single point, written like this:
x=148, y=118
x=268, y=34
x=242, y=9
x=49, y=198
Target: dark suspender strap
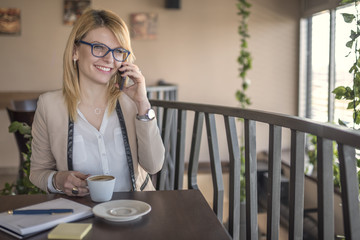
x=145, y=182
x=126, y=144
x=70, y=145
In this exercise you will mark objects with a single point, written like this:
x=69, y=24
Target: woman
x=92, y=127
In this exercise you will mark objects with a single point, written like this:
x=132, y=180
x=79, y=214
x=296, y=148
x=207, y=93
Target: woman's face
x=93, y=69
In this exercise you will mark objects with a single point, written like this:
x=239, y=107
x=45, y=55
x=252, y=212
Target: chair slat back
x=296, y=198
x=215, y=165
x=273, y=200
x=349, y=191
x=325, y=189
x=235, y=166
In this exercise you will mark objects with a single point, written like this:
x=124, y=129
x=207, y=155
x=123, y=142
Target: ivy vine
x=245, y=64
x=244, y=59
x=352, y=93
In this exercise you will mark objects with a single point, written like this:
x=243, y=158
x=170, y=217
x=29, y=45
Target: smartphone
x=121, y=81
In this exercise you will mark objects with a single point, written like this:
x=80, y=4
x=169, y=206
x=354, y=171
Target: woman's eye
x=118, y=51
x=99, y=47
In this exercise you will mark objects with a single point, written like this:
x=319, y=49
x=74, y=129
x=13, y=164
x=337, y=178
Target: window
x=325, y=65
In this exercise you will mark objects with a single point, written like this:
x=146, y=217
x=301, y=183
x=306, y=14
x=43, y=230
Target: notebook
x=70, y=231
x=21, y=226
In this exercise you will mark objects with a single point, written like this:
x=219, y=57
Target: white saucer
x=121, y=210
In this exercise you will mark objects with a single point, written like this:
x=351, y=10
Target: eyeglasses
x=101, y=50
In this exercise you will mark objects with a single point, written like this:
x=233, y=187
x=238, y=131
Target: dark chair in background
x=22, y=111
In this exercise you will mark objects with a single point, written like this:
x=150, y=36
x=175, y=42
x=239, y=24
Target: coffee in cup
x=101, y=187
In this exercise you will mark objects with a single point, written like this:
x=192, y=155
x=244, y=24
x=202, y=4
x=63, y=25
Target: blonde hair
x=89, y=20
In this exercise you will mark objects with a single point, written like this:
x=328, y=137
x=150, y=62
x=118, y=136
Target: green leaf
x=349, y=44
x=244, y=45
x=356, y=102
x=350, y=105
x=354, y=35
x=349, y=95
x=342, y=123
x=357, y=77
x=348, y=18
x=25, y=129
x=356, y=117
x=339, y=92
x=245, y=85
x=239, y=95
x=14, y=126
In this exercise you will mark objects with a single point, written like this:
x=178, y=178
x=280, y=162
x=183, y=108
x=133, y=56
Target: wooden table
x=182, y=214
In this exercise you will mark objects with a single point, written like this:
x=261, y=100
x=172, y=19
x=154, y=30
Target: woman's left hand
x=137, y=91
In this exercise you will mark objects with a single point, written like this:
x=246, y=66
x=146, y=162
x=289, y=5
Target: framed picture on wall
x=10, y=21
x=143, y=26
x=73, y=10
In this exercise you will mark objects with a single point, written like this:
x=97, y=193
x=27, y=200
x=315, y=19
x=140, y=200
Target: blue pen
x=41, y=211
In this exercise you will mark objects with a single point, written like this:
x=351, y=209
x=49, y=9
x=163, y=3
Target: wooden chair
x=347, y=141
x=22, y=111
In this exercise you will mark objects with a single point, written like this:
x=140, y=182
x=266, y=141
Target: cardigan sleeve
x=150, y=146
x=42, y=159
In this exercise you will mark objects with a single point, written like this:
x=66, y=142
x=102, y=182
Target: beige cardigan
x=50, y=140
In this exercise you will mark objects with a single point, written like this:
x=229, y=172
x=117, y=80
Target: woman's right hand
x=67, y=181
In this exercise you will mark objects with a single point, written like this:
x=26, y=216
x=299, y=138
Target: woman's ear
x=75, y=52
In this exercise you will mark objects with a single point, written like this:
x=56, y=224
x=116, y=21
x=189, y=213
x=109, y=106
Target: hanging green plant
x=245, y=62
x=351, y=94
x=23, y=185
x=244, y=59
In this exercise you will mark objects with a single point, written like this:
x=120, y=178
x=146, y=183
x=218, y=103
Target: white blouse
x=100, y=151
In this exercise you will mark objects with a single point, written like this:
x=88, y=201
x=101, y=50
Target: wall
x=274, y=30
x=196, y=48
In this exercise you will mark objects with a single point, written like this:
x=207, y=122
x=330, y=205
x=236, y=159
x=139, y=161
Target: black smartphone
x=121, y=81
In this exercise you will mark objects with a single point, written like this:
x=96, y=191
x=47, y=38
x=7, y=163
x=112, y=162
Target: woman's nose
x=109, y=57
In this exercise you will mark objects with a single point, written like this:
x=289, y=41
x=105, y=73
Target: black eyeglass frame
x=109, y=50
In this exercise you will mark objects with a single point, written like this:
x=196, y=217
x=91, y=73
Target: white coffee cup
x=101, y=187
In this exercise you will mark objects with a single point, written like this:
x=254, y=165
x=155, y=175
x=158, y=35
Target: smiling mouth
x=105, y=69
